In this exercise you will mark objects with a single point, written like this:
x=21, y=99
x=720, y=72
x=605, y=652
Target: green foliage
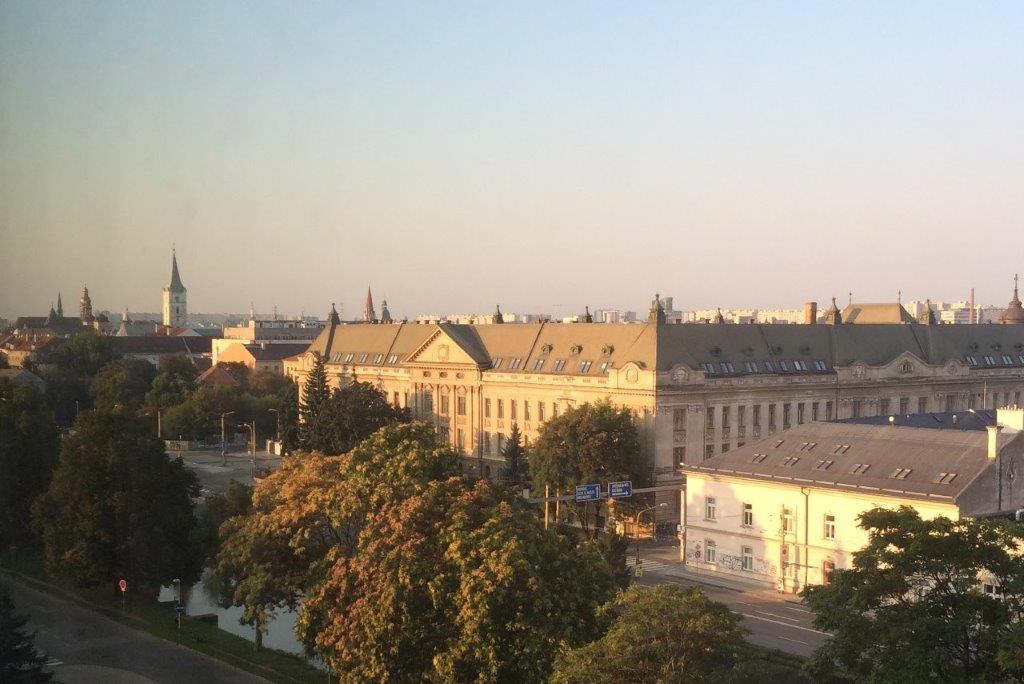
x=174, y=383
x=347, y=416
x=68, y=368
x=614, y=548
x=315, y=394
x=122, y=383
x=910, y=608
x=118, y=506
x=215, y=511
x=516, y=470
x=19, y=659
x=28, y=454
x=665, y=633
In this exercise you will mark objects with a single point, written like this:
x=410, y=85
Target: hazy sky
x=542, y=155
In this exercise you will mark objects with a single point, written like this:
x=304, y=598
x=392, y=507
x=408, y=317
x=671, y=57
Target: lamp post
x=638, y=515
x=223, y=440
x=177, y=600
x=252, y=468
x=277, y=415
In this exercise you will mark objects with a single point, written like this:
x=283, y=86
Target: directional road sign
x=620, y=490
x=122, y=585
x=588, y=492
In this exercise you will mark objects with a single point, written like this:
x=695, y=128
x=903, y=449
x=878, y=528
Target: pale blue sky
x=456, y=155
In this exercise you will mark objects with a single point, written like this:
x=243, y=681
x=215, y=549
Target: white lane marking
x=781, y=617
x=52, y=662
x=799, y=610
x=795, y=641
x=785, y=624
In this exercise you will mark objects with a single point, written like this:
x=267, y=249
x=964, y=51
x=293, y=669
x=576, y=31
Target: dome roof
x=1014, y=313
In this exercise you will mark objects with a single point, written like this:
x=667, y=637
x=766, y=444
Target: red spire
x=369, y=315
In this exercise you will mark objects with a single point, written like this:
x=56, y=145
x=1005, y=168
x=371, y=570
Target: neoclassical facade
x=697, y=390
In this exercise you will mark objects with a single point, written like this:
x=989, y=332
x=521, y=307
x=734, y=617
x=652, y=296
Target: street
x=215, y=477
x=85, y=647
x=774, y=620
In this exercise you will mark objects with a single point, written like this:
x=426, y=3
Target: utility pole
x=223, y=440
x=252, y=469
x=159, y=428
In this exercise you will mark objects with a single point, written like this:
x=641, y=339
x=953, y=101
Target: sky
x=546, y=156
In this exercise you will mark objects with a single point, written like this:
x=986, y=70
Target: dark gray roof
x=802, y=454
x=957, y=420
x=175, y=285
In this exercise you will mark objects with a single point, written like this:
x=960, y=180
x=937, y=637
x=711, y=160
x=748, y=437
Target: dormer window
x=393, y=359
x=349, y=357
x=989, y=361
x=709, y=368
x=944, y=478
x=378, y=358
x=750, y=366
x=783, y=366
x=1007, y=360
x=859, y=468
x=799, y=365
x=496, y=363
x=900, y=473
x=362, y=357
x=538, y=364
x=727, y=367
x=971, y=360
x=769, y=367
x=559, y=365
x=585, y=367
x=605, y=366
x=820, y=365
x=514, y=364
x=759, y=458
x=791, y=461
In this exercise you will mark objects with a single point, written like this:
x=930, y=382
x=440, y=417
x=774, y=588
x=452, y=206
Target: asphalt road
x=87, y=648
x=215, y=477
x=774, y=620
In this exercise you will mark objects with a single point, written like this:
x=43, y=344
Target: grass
x=148, y=615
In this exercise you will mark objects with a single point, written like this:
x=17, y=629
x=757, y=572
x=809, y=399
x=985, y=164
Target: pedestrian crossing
x=649, y=565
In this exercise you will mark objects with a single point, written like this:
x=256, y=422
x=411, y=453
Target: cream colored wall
x=781, y=561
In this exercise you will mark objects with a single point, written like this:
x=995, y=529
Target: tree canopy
x=345, y=417
x=68, y=368
x=174, y=383
x=516, y=471
x=912, y=608
x=28, y=455
x=118, y=506
x=405, y=570
x=123, y=382
x=664, y=633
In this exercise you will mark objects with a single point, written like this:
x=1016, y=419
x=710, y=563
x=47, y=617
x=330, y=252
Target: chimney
x=810, y=313
x=993, y=441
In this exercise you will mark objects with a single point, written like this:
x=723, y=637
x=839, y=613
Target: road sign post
x=620, y=490
x=122, y=584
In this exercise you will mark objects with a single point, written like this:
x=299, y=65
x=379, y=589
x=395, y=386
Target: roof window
x=605, y=366
x=859, y=468
x=750, y=366
x=944, y=478
x=559, y=364
x=514, y=364
x=989, y=361
x=769, y=367
x=823, y=465
x=538, y=364
x=362, y=357
x=900, y=473
x=820, y=365
x=779, y=443
x=791, y=461
x=759, y=458
x=349, y=357
x=799, y=365
x=783, y=366
x=496, y=363
x=971, y=361
x=585, y=366
x=393, y=358
x=727, y=367
x=378, y=358
x=841, y=449
x=709, y=368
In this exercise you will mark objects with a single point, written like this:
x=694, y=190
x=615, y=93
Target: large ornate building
x=175, y=298
x=696, y=390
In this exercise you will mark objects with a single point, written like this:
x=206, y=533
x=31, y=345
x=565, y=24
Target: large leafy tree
x=174, y=383
x=118, y=506
x=19, y=659
x=68, y=368
x=349, y=415
x=911, y=607
x=404, y=571
x=122, y=383
x=215, y=511
x=28, y=455
x=591, y=443
x=665, y=633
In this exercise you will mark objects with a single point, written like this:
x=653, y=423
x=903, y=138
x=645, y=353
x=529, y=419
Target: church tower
x=175, y=298
x=84, y=307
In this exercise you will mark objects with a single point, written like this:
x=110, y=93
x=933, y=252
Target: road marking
x=53, y=662
x=781, y=617
x=795, y=641
x=799, y=610
x=785, y=624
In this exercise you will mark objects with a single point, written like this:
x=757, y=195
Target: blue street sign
x=588, y=492
x=620, y=490
x=179, y=608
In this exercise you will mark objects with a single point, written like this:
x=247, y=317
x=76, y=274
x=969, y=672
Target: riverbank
x=158, y=619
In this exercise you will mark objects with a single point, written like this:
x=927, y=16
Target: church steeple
x=333, y=318
x=832, y=316
x=369, y=314
x=60, y=306
x=587, y=318
x=85, y=307
x=498, y=317
x=385, y=315
x=175, y=298
x=1014, y=313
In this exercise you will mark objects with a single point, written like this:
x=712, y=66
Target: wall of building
x=785, y=557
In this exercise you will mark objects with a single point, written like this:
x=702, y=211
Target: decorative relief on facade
x=443, y=352
x=632, y=375
x=680, y=376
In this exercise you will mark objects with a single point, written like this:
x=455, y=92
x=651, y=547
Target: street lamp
x=177, y=600
x=252, y=438
x=223, y=440
x=277, y=414
x=661, y=505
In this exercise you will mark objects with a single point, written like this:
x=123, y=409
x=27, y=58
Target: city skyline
x=730, y=156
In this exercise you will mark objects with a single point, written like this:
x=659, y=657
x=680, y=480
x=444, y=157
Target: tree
x=910, y=607
x=516, y=468
x=349, y=415
x=174, y=383
x=589, y=443
x=68, y=368
x=215, y=511
x=123, y=383
x=19, y=659
x=404, y=571
x=315, y=392
x=118, y=506
x=28, y=455
x=664, y=633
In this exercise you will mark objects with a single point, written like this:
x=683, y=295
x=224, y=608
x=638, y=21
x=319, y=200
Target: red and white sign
x=122, y=585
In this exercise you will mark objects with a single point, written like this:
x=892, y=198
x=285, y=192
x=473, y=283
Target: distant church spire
x=833, y=315
x=60, y=306
x=85, y=307
x=175, y=298
x=333, y=318
x=369, y=315
x=498, y=317
x=385, y=315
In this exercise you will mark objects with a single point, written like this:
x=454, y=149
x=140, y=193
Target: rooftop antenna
x=849, y=297
x=899, y=297
x=972, y=318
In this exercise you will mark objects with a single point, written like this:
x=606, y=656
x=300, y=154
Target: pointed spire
x=124, y=317
x=385, y=315
x=498, y=317
x=60, y=306
x=587, y=318
x=333, y=318
x=369, y=315
x=85, y=306
x=833, y=316
x=175, y=284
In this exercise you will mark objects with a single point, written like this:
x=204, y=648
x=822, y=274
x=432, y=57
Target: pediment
x=441, y=348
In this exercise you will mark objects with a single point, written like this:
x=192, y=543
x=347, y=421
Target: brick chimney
x=810, y=313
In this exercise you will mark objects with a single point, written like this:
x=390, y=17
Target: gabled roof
x=886, y=312
x=217, y=376
x=799, y=456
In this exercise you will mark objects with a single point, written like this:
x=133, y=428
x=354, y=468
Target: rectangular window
x=444, y=404
x=820, y=366
x=748, y=515
x=904, y=405
x=814, y=411
x=922, y=404
x=679, y=419
x=487, y=443
x=487, y=407
x=785, y=416
x=757, y=415
x=710, y=418
x=501, y=409
x=710, y=508
x=800, y=413
x=859, y=468
x=428, y=401
x=750, y=366
x=855, y=408
x=679, y=454
x=771, y=416
x=791, y=461
x=538, y=364
x=725, y=447
x=726, y=411
x=828, y=410
x=900, y=473
x=830, y=527
x=787, y=521
x=460, y=405
x=710, y=551
x=559, y=365
x=799, y=365
x=748, y=559
x=396, y=403
x=759, y=458
x=512, y=409
x=823, y=465
x=727, y=367
x=883, y=406
x=709, y=451
x=741, y=417
x=526, y=410
x=460, y=439
x=554, y=409
x=540, y=411
x=585, y=366
x=501, y=442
